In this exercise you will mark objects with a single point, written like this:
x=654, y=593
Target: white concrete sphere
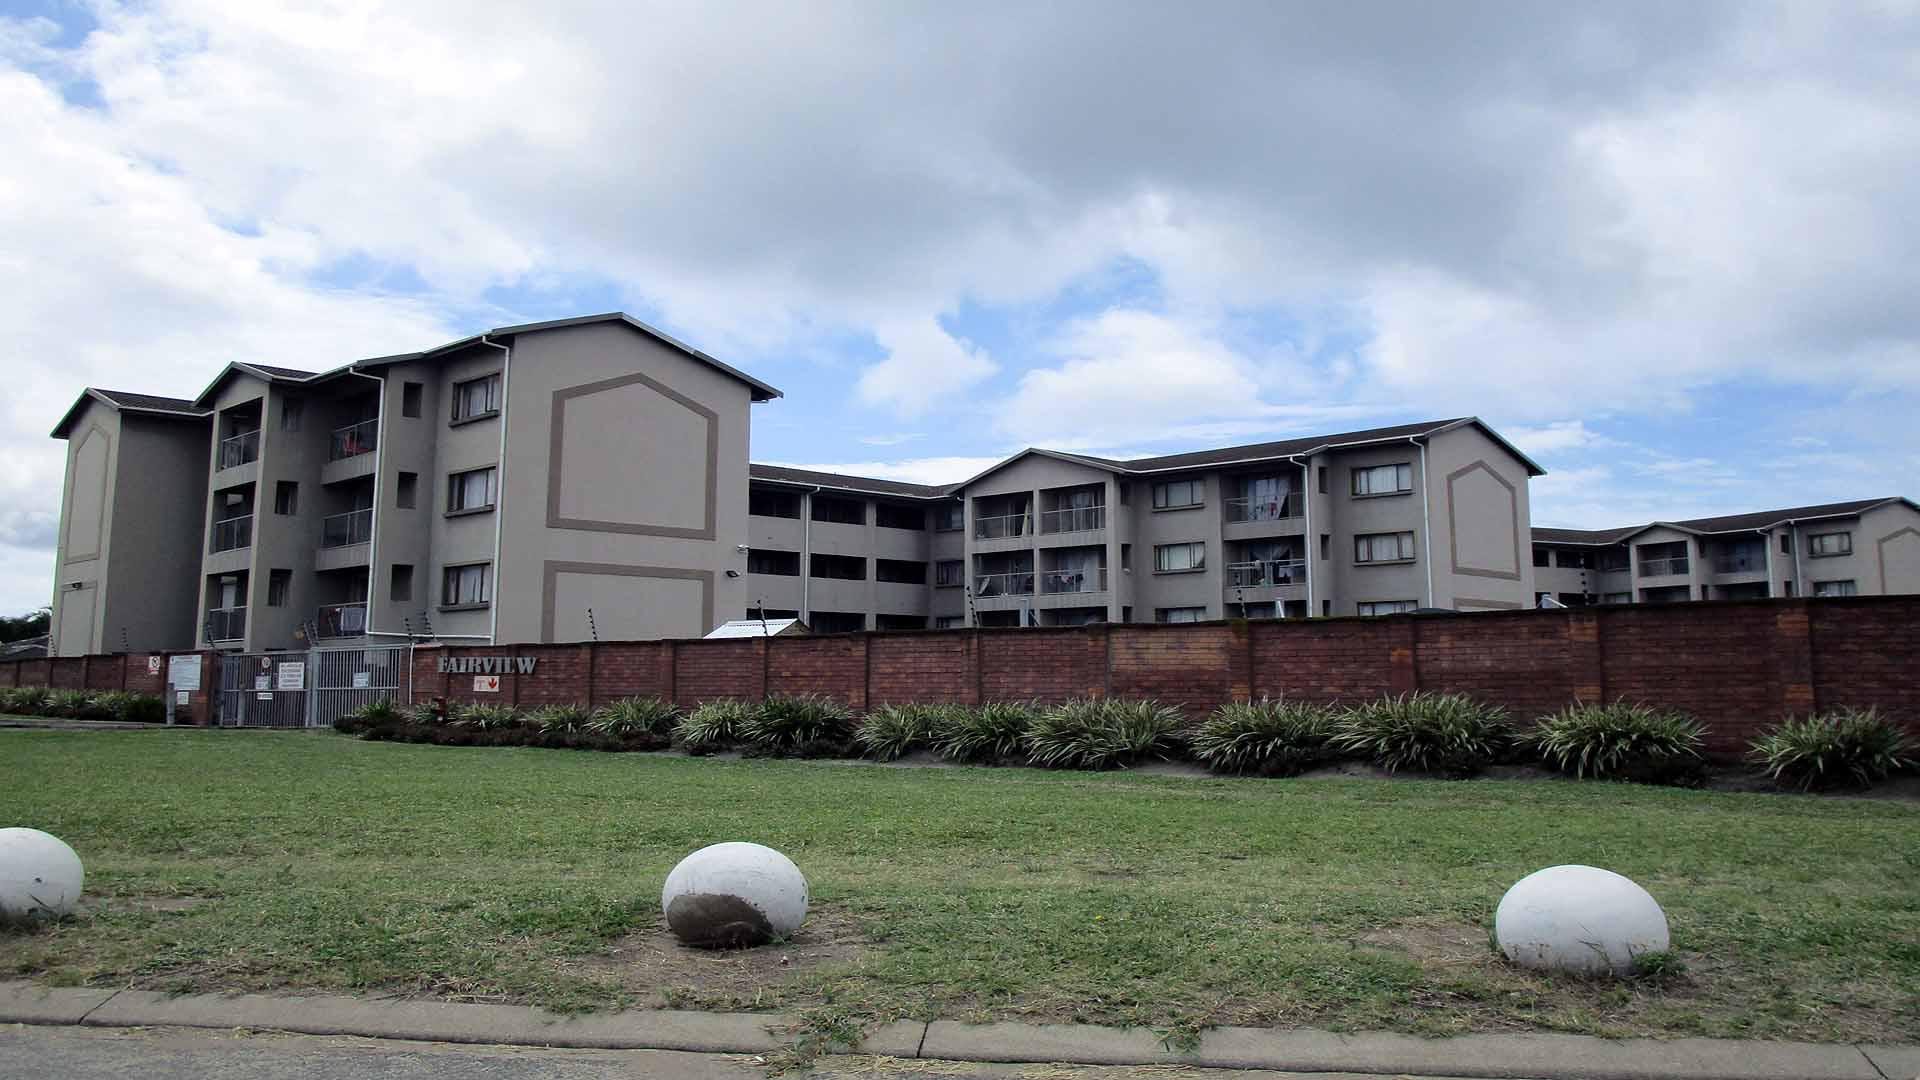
x=40, y=876
x=1578, y=919
x=734, y=894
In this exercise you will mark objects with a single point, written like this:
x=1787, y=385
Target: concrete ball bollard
x=734, y=895
x=40, y=876
x=1580, y=920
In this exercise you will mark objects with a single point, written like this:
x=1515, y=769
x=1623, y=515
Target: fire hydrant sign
x=486, y=684
x=291, y=676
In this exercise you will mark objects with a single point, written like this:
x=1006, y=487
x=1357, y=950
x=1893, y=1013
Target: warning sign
x=486, y=684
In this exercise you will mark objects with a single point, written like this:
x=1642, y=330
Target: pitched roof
x=281, y=372
x=1584, y=536
x=263, y=371
x=1726, y=523
x=169, y=408
x=866, y=485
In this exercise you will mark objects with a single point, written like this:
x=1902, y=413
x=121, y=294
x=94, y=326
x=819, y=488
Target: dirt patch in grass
x=653, y=965
x=1433, y=944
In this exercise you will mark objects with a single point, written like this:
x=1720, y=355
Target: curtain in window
x=1266, y=496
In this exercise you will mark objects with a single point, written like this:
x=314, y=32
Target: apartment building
x=544, y=482
x=1366, y=522
x=1864, y=547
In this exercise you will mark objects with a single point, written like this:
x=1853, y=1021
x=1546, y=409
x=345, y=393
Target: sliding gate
x=309, y=689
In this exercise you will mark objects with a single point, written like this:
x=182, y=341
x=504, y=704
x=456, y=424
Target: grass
x=331, y=864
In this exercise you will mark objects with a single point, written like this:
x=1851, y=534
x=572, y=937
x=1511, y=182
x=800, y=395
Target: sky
x=1671, y=250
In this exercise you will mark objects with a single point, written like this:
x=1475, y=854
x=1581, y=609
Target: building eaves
x=168, y=408
x=259, y=371
x=864, y=485
x=1313, y=444
x=1763, y=519
x=1595, y=537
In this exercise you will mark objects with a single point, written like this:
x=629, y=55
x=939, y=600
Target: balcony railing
x=352, y=527
x=1663, y=567
x=1002, y=526
x=1265, y=573
x=1073, y=519
x=1752, y=563
x=240, y=449
x=232, y=534
x=1074, y=581
x=1019, y=583
x=353, y=440
x=1273, y=508
x=226, y=624
x=342, y=620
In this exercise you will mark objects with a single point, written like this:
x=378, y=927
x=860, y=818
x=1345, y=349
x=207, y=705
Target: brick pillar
x=1402, y=641
x=1586, y=655
x=1240, y=660
x=1099, y=658
x=1791, y=684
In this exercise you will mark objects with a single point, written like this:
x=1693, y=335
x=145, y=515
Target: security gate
x=309, y=689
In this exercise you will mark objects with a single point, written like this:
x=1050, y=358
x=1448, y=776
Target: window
x=470, y=490
x=1383, y=547
x=1835, y=588
x=838, y=622
x=467, y=586
x=291, y=412
x=899, y=622
x=476, y=398
x=400, y=583
x=777, y=563
x=1786, y=543
x=1126, y=558
x=841, y=567
x=280, y=582
x=949, y=622
x=844, y=511
x=1789, y=586
x=900, y=571
x=1833, y=543
x=286, y=497
x=1323, y=479
x=1383, y=480
x=949, y=517
x=780, y=504
x=407, y=491
x=1180, y=614
x=1179, y=494
x=1179, y=558
x=1574, y=560
x=1617, y=598
x=1326, y=546
x=1384, y=607
x=410, y=400
x=894, y=516
x=1540, y=556
x=949, y=572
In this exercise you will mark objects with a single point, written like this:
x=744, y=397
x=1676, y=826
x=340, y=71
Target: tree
x=32, y=624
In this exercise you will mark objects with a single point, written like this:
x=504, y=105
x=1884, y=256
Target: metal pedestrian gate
x=309, y=689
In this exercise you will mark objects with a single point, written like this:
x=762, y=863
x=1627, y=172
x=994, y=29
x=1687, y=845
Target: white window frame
x=453, y=584
x=1195, y=554
x=489, y=385
x=1832, y=588
x=1180, y=614
x=1817, y=550
x=1365, y=480
x=1367, y=548
x=457, y=487
x=1374, y=608
x=1196, y=491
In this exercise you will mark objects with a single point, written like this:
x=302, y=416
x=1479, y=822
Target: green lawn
x=534, y=875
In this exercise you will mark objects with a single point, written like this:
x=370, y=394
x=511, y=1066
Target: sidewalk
x=1562, y=1057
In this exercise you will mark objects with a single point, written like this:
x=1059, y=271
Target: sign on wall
x=153, y=665
x=263, y=682
x=291, y=675
x=486, y=684
x=182, y=697
x=461, y=665
x=362, y=680
x=183, y=672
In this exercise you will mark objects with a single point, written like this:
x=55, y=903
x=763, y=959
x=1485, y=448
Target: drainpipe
x=1426, y=517
x=1799, y=580
x=1313, y=542
x=499, y=492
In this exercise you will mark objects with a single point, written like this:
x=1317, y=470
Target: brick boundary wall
x=1738, y=666
x=117, y=671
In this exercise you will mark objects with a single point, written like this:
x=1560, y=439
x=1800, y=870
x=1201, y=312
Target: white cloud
x=925, y=367
x=1561, y=435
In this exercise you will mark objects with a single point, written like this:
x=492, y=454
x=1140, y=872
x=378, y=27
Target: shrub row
x=1446, y=734
x=83, y=704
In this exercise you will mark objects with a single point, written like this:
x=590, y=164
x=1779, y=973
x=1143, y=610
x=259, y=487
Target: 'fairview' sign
x=488, y=665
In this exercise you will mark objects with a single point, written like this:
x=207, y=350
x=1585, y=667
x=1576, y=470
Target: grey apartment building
x=1864, y=547
x=544, y=482
x=1367, y=522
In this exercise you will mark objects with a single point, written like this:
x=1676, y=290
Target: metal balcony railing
x=1002, y=526
x=353, y=440
x=226, y=624
x=1019, y=583
x=1266, y=573
x=342, y=620
x=1074, y=581
x=1276, y=508
x=341, y=530
x=1752, y=563
x=239, y=449
x=1073, y=519
x=231, y=534
x=1663, y=567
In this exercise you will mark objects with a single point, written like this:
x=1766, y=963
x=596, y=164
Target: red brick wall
x=835, y=666
x=709, y=670
x=1520, y=664
x=920, y=667
x=1042, y=663
x=1331, y=660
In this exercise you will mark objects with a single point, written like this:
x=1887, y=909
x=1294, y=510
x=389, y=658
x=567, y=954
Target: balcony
x=1002, y=527
x=1073, y=519
x=239, y=449
x=353, y=440
x=1746, y=562
x=1266, y=573
x=1074, y=581
x=231, y=534
x=1663, y=567
x=1018, y=583
x=342, y=620
x=342, y=530
x=226, y=624
x=1271, y=508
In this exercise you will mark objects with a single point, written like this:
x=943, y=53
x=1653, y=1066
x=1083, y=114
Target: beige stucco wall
x=85, y=539
x=160, y=487
x=1479, y=519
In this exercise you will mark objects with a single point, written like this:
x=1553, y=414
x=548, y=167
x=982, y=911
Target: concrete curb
x=1565, y=1057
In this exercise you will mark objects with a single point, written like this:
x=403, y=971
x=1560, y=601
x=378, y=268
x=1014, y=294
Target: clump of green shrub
x=374, y=720
x=1100, y=733
x=712, y=727
x=483, y=717
x=566, y=719
x=799, y=725
x=1842, y=746
x=1621, y=741
x=1265, y=737
x=890, y=732
x=1441, y=733
x=25, y=700
x=123, y=705
x=73, y=704
x=994, y=732
x=634, y=718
